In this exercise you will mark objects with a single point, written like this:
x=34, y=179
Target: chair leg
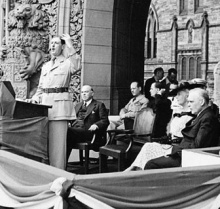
x=121, y=163
x=86, y=160
x=81, y=157
x=102, y=163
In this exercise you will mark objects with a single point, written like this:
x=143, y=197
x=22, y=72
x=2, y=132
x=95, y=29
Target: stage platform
x=201, y=157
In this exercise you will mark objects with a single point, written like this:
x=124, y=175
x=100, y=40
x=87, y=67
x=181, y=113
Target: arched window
x=198, y=6
x=198, y=68
x=191, y=68
x=151, y=35
x=149, y=41
x=183, y=7
x=155, y=41
x=183, y=71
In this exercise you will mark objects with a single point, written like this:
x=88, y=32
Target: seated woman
x=161, y=105
x=180, y=117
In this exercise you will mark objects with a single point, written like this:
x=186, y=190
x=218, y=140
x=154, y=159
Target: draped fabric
x=28, y=182
x=165, y=188
x=29, y=135
x=7, y=99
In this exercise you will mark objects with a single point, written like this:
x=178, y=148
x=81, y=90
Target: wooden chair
x=121, y=141
x=85, y=147
x=99, y=139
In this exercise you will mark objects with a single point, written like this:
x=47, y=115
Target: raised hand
x=67, y=39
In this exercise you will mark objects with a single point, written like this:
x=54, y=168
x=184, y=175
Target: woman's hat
x=181, y=86
x=197, y=83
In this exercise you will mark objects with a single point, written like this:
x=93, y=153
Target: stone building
x=183, y=34
x=117, y=40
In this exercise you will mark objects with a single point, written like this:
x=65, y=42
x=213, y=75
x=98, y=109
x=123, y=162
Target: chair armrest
x=140, y=135
x=162, y=140
x=121, y=131
x=127, y=138
x=130, y=143
x=141, y=139
x=93, y=138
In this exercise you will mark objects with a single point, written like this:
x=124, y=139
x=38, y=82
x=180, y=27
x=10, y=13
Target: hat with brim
x=181, y=86
x=197, y=83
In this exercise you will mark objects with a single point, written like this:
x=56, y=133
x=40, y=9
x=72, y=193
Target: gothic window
x=190, y=67
x=183, y=7
x=149, y=42
x=198, y=68
x=198, y=6
x=155, y=41
x=183, y=73
x=151, y=35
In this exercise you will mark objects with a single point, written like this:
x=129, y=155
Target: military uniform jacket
x=57, y=75
x=133, y=106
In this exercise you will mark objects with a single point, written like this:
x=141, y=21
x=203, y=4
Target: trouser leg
x=163, y=162
x=57, y=143
x=77, y=135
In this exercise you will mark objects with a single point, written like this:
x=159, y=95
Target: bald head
x=198, y=100
x=87, y=93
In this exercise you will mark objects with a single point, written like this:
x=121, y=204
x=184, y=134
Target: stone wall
x=165, y=10
x=97, y=47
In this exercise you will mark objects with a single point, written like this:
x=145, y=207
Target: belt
x=55, y=90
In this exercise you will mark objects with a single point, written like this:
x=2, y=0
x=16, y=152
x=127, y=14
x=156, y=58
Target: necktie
x=84, y=106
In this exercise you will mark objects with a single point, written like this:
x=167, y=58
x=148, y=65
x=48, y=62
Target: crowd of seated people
x=194, y=124
x=184, y=119
x=181, y=115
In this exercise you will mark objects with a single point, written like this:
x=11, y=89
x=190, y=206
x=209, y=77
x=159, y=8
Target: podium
x=23, y=126
x=29, y=110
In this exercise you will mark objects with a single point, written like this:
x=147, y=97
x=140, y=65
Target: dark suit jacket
x=203, y=131
x=96, y=114
x=162, y=108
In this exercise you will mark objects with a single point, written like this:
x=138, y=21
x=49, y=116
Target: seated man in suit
x=202, y=131
x=128, y=113
x=201, y=83
x=157, y=77
x=92, y=116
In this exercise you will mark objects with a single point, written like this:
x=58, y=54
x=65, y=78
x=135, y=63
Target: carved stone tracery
x=28, y=33
x=76, y=21
x=31, y=24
